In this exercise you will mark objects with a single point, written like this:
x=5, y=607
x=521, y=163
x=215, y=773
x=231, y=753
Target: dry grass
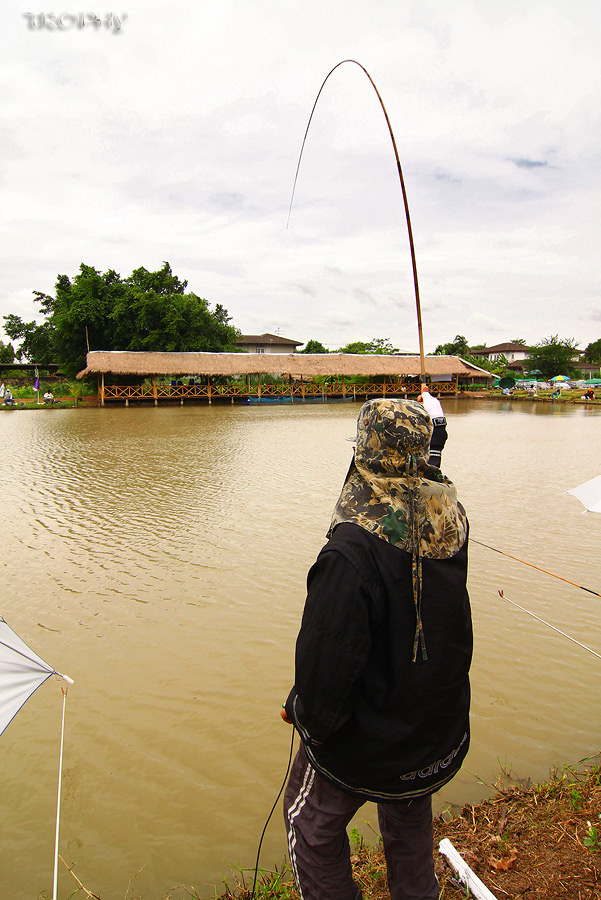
x=297, y=364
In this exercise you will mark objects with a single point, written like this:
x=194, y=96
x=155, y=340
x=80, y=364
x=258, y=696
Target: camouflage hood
x=391, y=490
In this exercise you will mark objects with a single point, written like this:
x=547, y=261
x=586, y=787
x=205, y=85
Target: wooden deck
x=295, y=391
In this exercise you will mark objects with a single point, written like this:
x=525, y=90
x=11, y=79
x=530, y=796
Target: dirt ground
x=543, y=843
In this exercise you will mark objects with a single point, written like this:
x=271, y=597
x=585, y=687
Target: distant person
x=8, y=397
x=48, y=397
x=433, y=406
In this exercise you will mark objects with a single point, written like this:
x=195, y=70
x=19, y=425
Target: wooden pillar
x=302, y=388
x=209, y=389
x=291, y=386
x=248, y=386
x=259, y=386
x=102, y=391
x=343, y=388
x=154, y=390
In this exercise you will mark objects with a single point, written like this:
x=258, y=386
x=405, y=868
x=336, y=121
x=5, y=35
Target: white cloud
x=177, y=139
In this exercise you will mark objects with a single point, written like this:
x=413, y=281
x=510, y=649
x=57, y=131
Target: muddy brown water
x=158, y=557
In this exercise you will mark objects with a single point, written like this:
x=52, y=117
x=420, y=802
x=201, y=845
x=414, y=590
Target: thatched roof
x=267, y=338
x=298, y=364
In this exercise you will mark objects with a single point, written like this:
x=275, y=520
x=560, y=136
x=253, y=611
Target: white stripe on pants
x=317, y=814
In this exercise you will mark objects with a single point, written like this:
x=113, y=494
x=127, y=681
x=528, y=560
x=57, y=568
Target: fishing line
x=270, y=815
x=538, y=568
x=404, y=192
x=563, y=634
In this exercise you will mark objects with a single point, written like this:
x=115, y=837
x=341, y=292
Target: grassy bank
x=542, y=842
x=59, y=403
x=67, y=394
x=573, y=396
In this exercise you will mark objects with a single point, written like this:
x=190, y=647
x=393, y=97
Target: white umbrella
x=589, y=494
x=21, y=673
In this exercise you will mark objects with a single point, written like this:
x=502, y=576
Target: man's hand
x=284, y=716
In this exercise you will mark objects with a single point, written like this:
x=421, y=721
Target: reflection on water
x=158, y=557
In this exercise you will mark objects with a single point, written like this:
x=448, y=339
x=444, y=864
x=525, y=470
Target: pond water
x=158, y=557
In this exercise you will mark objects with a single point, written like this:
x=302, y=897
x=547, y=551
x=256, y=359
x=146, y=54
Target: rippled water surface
x=158, y=557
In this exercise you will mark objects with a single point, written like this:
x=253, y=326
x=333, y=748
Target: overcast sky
x=176, y=138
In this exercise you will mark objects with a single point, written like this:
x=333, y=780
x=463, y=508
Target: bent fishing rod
x=419, y=326
x=403, y=190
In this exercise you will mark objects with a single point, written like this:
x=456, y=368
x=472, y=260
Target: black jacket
x=373, y=721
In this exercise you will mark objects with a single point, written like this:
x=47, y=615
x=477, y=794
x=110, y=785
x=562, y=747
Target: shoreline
x=520, y=397
x=541, y=841
x=90, y=401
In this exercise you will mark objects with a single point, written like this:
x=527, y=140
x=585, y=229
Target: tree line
x=102, y=311
x=549, y=357
x=147, y=311
x=153, y=311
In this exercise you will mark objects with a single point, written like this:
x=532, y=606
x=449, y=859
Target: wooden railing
x=207, y=391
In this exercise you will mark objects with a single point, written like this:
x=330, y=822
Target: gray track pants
x=316, y=815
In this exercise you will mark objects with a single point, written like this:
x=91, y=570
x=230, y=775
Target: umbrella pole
x=58, y=799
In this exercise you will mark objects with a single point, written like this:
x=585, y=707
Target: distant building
x=511, y=351
x=267, y=343
x=588, y=370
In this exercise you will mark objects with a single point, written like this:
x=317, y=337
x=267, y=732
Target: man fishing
x=381, y=694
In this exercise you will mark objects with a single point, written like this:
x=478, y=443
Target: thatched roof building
x=293, y=364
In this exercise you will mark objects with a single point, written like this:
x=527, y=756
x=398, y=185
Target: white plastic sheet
x=589, y=494
x=21, y=672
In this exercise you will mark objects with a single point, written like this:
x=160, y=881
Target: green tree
x=379, y=346
x=36, y=340
x=553, y=356
x=483, y=362
x=521, y=341
x=499, y=365
x=458, y=347
x=314, y=347
x=7, y=353
x=593, y=352
x=146, y=311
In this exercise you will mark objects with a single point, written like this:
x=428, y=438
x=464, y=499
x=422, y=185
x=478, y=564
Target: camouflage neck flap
x=391, y=491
